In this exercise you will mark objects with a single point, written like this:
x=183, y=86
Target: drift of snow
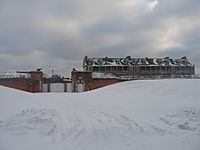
x=140, y=115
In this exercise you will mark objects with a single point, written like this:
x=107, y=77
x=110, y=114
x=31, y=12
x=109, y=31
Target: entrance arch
x=80, y=86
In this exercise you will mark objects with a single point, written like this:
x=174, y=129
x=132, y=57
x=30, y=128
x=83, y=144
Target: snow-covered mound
x=140, y=115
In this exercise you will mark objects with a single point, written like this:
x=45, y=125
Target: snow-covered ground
x=134, y=115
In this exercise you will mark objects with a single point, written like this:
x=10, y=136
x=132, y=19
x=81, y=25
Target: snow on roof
x=14, y=75
x=128, y=61
x=99, y=75
x=103, y=75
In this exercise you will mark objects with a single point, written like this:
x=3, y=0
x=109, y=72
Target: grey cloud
x=178, y=8
x=58, y=34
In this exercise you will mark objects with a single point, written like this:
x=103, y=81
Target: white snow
x=100, y=75
x=15, y=75
x=133, y=115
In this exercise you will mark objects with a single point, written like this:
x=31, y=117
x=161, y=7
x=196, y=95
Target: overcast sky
x=57, y=34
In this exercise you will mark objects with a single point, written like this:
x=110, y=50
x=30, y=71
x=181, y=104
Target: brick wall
x=98, y=83
x=19, y=83
x=32, y=84
x=80, y=76
x=89, y=82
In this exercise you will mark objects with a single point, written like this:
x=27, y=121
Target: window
x=125, y=68
x=108, y=68
x=119, y=68
x=102, y=69
x=114, y=68
x=95, y=69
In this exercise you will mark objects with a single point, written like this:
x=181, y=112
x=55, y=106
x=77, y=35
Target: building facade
x=100, y=72
x=86, y=81
x=34, y=82
x=30, y=81
x=139, y=68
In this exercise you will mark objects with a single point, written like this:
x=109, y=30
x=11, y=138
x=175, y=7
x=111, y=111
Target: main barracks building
x=99, y=72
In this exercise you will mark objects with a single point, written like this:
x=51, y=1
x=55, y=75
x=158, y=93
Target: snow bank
x=143, y=115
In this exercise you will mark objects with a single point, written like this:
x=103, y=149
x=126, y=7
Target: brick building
x=99, y=72
x=86, y=81
x=139, y=68
x=30, y=81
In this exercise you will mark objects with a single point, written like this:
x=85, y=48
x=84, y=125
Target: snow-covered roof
x=97, y=75
x=14, y=75
x=128, y=61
